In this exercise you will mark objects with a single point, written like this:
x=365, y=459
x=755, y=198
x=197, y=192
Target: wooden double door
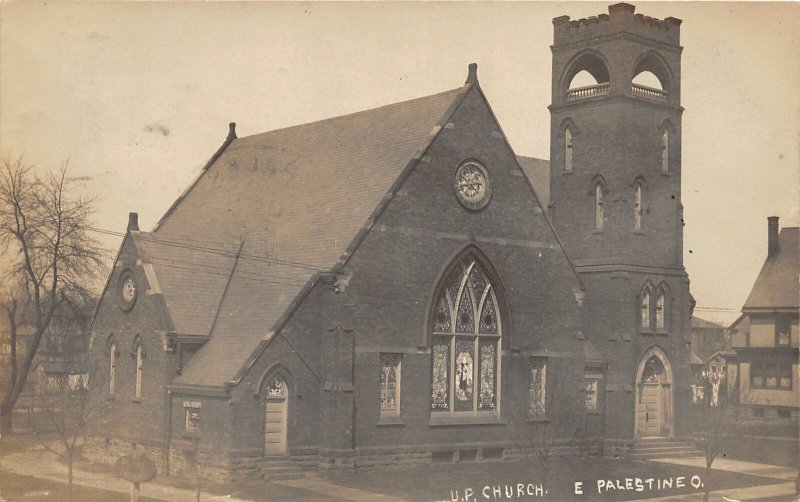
x=649, y=419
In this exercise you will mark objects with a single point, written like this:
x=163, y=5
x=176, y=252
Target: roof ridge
x=352, y=114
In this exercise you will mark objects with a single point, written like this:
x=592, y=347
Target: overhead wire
x=275, y=279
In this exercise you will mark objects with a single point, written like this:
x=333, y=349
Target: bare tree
x=44, y=235
x=67, y=409
x=556, y=418
x=199, y=459
x=718, y=422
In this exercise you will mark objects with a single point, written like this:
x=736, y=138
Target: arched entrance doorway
x=276, y=411
x=654, y=395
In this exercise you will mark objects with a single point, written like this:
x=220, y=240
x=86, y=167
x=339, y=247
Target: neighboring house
x=57, y=362
x=387, y=286
x=711, y=350
x=765, y=337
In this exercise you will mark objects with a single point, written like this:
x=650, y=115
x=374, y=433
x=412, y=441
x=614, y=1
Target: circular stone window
x=127, y=290
x=472, y=185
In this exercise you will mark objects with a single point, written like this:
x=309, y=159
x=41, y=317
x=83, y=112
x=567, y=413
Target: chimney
x=472, y=74
x=772, y=236
x=232, y=130
x=133, y=221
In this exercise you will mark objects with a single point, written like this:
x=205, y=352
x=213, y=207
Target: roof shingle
x=296, y=197
x=777, y=284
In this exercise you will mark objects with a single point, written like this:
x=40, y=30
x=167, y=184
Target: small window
x=591, y=396
x=771, y=375
x=591, y=380
x=538, y=387
x=192, y=414
x=665, y=150
x=784, y=413
x=112, y=368
x=599, y=218
x=5, y=348
x=644, y=309
x=78, y=382
x=783, y=331
x=568, y=150
x=637, y=208
x=389, y=379
x=785, y=376
x=139, y=357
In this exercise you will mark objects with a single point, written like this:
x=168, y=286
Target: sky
x=138, y=96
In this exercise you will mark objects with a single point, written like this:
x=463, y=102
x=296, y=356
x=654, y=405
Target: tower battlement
x=621, y=17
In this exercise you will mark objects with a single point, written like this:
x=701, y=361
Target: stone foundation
x=240, y=464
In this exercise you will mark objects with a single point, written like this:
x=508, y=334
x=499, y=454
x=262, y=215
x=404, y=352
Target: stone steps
x=645, y=449
x=280, y=468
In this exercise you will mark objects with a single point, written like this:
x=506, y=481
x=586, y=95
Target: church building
x=397, y=286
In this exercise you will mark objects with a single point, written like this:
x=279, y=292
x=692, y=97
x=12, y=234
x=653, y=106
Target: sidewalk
x=48, y=468
x=760, y=492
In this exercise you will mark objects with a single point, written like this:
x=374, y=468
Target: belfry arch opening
x=587, y=76
x=650, y=78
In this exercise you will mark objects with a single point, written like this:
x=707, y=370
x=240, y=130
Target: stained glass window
x=390, y=384
x=652, y=371
x=440, y=398
x=466, y=345
x=488, y=378
x=465, y=370
x=276, y=388
x=538, y=387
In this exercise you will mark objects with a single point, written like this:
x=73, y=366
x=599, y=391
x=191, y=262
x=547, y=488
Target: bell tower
x=615, y=152
x=615, y=193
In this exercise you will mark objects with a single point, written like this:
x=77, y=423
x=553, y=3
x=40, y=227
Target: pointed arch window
x=139, y=359
x=112, y=368
x=599, y=218
x=665, y=150
x=660, y=310
x=567, y=150
x=466, y=343
x=389, y=380
x=637, y=207
x=644, y=309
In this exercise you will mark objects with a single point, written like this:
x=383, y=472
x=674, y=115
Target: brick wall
x=125, y=418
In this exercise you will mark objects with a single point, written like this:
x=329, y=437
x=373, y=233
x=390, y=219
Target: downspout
x=167, y=430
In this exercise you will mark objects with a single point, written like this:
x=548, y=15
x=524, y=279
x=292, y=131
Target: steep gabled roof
x=777, y=284
x=191, y=278
x=297, y=198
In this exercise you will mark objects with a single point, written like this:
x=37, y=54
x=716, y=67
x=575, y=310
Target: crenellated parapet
x=621, y=18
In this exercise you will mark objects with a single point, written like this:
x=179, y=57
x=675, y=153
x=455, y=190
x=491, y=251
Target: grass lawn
x=471, y=481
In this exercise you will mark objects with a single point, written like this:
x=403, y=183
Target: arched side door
x=276, y=411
